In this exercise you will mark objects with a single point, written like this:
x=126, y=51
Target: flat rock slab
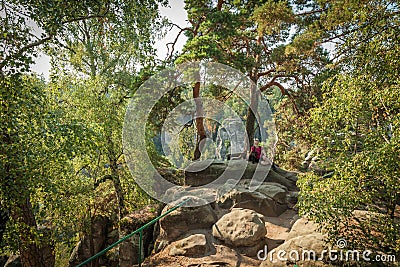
x=302, y=227
x=204, y=172
x=223, y=256
x=192, y=245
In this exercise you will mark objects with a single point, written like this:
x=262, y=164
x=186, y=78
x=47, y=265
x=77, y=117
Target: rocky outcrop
x=91, y=244
x=269, y=199
x=233, y=229
x=129, y=249
x=244, y=233
x=204, y=172
x=105, y=232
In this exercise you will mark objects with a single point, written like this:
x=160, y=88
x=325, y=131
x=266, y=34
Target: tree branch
x=169, y=54
x=225, y=97
x=84, y=18
x=311, y=12
x=23, y=50
x=283, y=92
x=102, y=180
x=219, y=5
x=45, y=39
x=265, y=47
x=261, y=74
x=89, y=16
x=338, y=36
x=194, y=31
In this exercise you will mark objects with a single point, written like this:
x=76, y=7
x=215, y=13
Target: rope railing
x=139, y=230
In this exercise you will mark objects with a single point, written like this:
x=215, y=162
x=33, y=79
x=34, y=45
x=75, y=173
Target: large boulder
x=302, y=227
x=302, y=250
x=240, y=227
x=304, y=246
x=275, y=191
x=184, y=219
x=203, y=172
x=178, y=192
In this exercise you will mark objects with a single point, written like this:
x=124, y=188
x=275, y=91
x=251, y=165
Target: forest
x=329, y=71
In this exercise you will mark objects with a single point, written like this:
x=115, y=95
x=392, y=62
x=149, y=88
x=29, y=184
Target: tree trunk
x=251, y=118
x=118, y=191
x=219, y=5
x=201, y=132
x=94, y=263
x=4, y=218
x=121, y=208
x=21, y=212
x=30, y=251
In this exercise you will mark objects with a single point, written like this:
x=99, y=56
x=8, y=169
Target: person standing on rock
x=255, y=152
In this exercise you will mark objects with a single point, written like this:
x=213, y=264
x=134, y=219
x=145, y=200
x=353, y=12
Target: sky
x=175, y=13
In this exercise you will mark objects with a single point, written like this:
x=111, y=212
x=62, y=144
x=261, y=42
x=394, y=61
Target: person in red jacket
x=255, y=151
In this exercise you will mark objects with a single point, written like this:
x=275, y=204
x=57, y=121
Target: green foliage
x=103, y=55
x=20, y=36
x=38, y=144
x=227, y=35
x=273, y=17
x=356, y=127
x=268, y=42
x=61, y=141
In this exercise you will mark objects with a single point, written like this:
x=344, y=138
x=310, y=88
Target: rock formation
x=233, y=229
x=238, y=229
